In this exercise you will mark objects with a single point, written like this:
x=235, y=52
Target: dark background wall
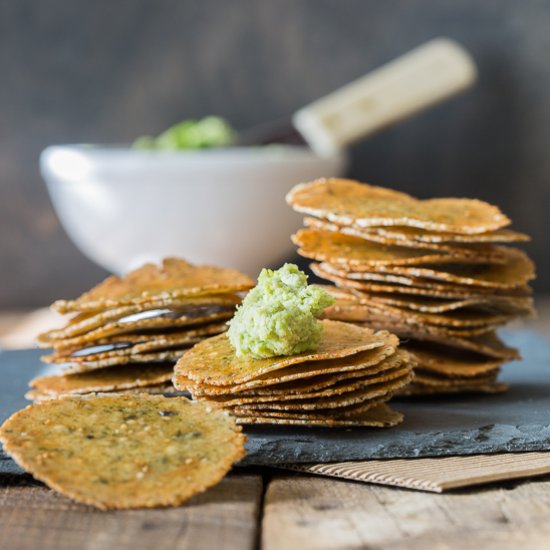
x=107, y=71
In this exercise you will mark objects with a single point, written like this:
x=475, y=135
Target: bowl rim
x=263, y=153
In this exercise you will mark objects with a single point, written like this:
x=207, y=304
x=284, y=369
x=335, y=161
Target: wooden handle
x=409, y=84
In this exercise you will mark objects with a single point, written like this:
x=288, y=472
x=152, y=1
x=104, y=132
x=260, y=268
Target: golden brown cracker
x=336, y=248
x=319, y=375
x=170, y=356
x=432, y=290
x=380, y=416
x=502, y=305
x=421, y=237
x=164, y=388
x=356, y=395
x=517, y=272
x=348, y=202
x=131, y=344
x=152, y=326
x=124, y=451
x=451, y=364
x=488, y=344
x=83, y=323
x=214, y=361
x=172, y=280
x=338, y=388
x=109, y=379
x=468, y=253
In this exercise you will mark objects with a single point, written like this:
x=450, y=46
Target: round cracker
x=424, y=238
x=420, y=236
x=348, y=202
x=153, y=326
x=124, y=451
x=435, y=290
x=339, y=388
x=468, y=253
x=517, y=272
x=355, y=252
x=362, y=393
x=452, y=365
x=164, y=388
x=378, y=416
x=158, y=357
x=214, y=362
x=319, y=379
x=109, y=379
x=86, y=322
x=489, y=303
x=348, y=311
x=172, y=280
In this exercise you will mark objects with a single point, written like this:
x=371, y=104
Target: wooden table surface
x=275, y=510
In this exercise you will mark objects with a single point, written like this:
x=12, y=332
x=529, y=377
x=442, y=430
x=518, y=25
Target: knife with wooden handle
x=411, y=83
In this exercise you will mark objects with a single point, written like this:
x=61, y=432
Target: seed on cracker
x=433, y=272
x=86, y=322
x=214, y=361
x=348, y=202
x=173, y=280
x=163, y=388
x=104, y=380
x=477, y=252
x=354, y=369
x=124, y=451
x=355, y=252
x=378, y=416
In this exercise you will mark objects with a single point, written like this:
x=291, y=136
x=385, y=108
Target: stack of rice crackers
x=434, y=272
x=126, y=334
x=345, y=382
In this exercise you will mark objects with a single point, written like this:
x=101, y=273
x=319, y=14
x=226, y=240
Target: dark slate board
x=518, y=420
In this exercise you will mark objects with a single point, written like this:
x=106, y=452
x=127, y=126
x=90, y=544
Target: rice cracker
x=124, y=451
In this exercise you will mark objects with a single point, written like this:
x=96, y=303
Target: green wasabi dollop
x=190, y=134
x=279, y=315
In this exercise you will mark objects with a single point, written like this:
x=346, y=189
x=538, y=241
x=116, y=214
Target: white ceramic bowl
x=226, y=207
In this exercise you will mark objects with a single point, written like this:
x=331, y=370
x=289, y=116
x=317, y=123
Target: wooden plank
x=32, y=516
x=318, y=513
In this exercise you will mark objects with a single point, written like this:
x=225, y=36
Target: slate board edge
x=470, y=442
x=491, y=439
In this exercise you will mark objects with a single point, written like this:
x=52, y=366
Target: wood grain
x=32, y=516
x=316, y=513
x=300, y=512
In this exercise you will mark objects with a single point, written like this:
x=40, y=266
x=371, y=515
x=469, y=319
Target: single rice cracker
x=124, y=451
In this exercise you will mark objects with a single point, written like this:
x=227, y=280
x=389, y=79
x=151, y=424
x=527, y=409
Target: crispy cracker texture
x=214, y=362
x=296, y=381
x=342, y=383
x=417, y=237
x=433, y=272
x=174, y=279
x=349, y=202
x=101, y=380
x=154, y=328
x=124, y=451
x=377, y=416
x=358, y=253
x=84, y=323
x=164, y=388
